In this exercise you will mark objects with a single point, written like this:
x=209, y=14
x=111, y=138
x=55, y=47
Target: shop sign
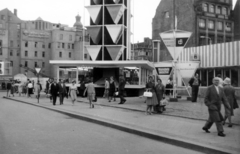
x=36, y=34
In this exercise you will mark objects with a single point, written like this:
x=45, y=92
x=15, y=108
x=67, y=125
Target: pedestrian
x=37, y=89
x=106, y=91
x=121, y=90
x=47, y=87
x=151, y=101
x=230, y=94
x=169, y=86
x=220, y=80
x=73, y=91
x=20, y=88
x=54, y=91
x=30, y=88
x=82, y=88
x=49, y=90
x=112, y=89
x=90, y=89
x=62, y=91
x=160, y=91
x=214, y=97
x=195, y=83
x=13, y=88
x=9, y=87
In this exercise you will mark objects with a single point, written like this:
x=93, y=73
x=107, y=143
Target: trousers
x=209, y=124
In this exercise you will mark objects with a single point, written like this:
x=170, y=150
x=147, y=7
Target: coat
x=54, y=89
x=213, y=102
x=62, y=89
x=160, y=90
x=192, y=81
x=230, y=94
x=121, y=87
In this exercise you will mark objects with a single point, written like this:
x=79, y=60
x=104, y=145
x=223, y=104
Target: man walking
x=9, y=87
x=195, y=83
x=121, y=89
x=106, y=91
x=214, y=96
x=54, y=91
x=62, y=91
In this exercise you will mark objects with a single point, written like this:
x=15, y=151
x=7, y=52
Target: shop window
x=234, y=77
x=211, y=8
x=210, y=76
x=226, y=73
x=202, y=23
x=203, y=77
x=211, y=24
x=220, y=26
x=218, y=9
x=205, y=7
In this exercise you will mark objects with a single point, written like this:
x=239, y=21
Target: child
x=91, y=92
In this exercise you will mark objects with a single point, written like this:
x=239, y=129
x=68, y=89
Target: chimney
x=15, y=12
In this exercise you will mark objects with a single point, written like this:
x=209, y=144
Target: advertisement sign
x=187, y=70
x=163, y=71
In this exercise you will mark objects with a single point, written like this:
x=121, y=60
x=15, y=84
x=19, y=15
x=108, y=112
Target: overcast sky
x=64, y=11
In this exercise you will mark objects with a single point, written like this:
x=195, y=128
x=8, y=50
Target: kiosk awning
x=104, y=64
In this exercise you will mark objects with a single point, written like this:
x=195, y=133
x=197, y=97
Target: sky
x=64, y=12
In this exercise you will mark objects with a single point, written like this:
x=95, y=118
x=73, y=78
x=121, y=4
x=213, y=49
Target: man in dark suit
x=54, y=91
x=195, y=83
x=61, y=91
x=214, y=96
x=121, y=89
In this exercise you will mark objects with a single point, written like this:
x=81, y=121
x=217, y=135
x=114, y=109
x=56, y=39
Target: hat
x=227, y=81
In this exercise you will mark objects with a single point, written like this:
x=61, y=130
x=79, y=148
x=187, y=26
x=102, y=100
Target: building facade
x=29, y=44
x=210, y=22
x=237, y=21
x=142, y=50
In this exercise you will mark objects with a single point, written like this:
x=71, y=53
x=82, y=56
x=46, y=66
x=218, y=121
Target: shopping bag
x=163, y=102
x=147, y=94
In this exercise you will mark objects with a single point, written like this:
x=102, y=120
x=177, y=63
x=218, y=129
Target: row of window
x=69, y=54
x=68, y=45
x=36, y=45
x=3, y=17
x=210, y=24
x=215, y=9
x=61, y=37
x=35, y=64
x=35, y=54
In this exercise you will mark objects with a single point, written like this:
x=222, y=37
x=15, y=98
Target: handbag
x=147, y=94
x=163, y=102
x=116, y=93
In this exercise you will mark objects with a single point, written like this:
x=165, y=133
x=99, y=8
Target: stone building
x=29, y=44
x=210, y=22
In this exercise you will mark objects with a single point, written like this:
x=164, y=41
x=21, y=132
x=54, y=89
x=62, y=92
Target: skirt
x=73, y=95
x=152, y=100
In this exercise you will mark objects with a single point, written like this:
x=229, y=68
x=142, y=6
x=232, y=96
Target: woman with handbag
x=73, y=91
x=230, y=94
x=151, y=101
x=160, y=90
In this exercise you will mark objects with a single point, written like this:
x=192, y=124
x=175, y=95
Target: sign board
x=175, y=41
x=163, y=71
x=187, y=70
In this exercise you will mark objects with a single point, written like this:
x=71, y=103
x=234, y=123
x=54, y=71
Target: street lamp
x=38, y=70
x=207, y=38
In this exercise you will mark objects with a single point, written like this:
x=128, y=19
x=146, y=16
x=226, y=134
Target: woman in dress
x=30, y=88
x=151, y=101
x=160, y=90
x=90, y=93
x=73, y=91
x=112, y=89
x=230, y=94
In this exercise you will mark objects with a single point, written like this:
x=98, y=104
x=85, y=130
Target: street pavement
x=181, y=124
x=28, y=129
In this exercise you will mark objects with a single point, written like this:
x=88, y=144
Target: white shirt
x=217, y=89
x=220, y=82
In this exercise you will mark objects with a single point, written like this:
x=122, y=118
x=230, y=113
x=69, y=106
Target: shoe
x=230, y=125
x=206, y=130
x=221, y=134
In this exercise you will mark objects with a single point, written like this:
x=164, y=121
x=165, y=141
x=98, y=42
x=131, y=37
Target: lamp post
x=38, y=70
x=207, y=38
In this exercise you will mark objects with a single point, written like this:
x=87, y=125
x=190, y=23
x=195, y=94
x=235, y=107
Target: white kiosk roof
x=104, y=64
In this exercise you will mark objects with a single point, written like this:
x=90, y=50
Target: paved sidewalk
x=184, y=132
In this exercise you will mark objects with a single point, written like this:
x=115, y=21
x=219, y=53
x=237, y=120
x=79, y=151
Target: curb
x=128, y=129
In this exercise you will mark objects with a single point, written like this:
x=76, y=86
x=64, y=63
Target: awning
x=103, y=64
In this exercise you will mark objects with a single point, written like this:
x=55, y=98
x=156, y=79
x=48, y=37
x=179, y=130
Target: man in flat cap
x=214, y=96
